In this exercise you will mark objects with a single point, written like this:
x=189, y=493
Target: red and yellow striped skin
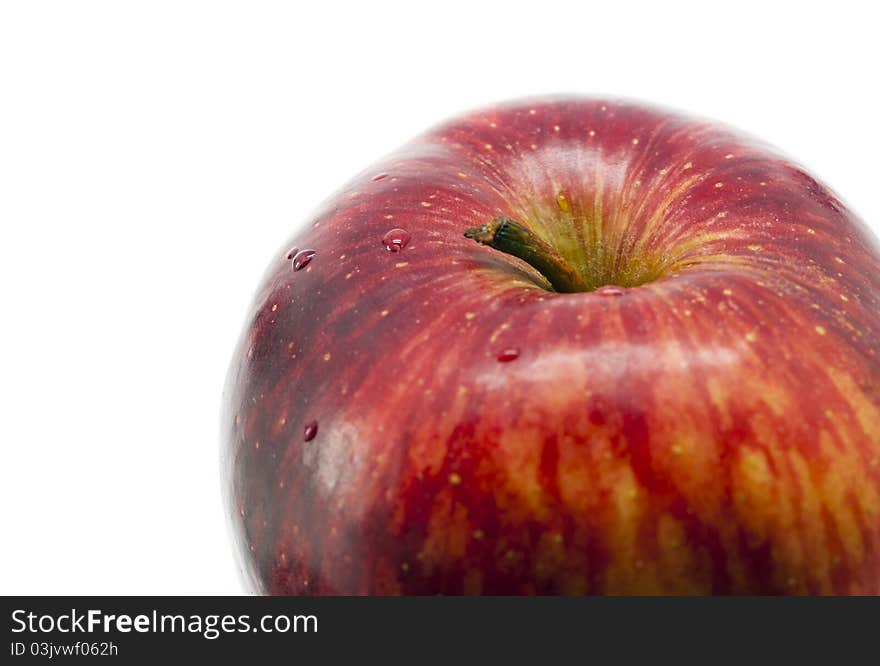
x=714, y=430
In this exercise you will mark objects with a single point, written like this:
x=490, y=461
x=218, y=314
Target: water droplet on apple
x=302, y=259
x=610, y=290
x=310, y=431
x=379, y=176
x=396, y=239
x=508, y=354
x=562, y=202
x=292, y=253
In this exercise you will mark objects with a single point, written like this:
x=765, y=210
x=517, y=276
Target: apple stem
x=511, y=237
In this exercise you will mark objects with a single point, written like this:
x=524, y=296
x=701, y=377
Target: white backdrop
x=153, y=156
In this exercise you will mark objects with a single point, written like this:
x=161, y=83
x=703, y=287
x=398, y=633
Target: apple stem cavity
x=512, y=237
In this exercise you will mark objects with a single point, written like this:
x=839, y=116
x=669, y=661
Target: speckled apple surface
x=424, y=416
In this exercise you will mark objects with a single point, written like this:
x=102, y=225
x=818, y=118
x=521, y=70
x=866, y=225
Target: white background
x=153, y=156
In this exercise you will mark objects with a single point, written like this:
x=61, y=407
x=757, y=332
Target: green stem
x=511, y=237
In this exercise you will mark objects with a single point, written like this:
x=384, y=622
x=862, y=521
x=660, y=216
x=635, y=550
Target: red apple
x=655, y=372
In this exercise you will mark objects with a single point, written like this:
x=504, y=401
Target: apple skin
x=715, y=430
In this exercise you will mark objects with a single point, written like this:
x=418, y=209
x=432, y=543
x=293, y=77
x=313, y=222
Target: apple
x=564, y=346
